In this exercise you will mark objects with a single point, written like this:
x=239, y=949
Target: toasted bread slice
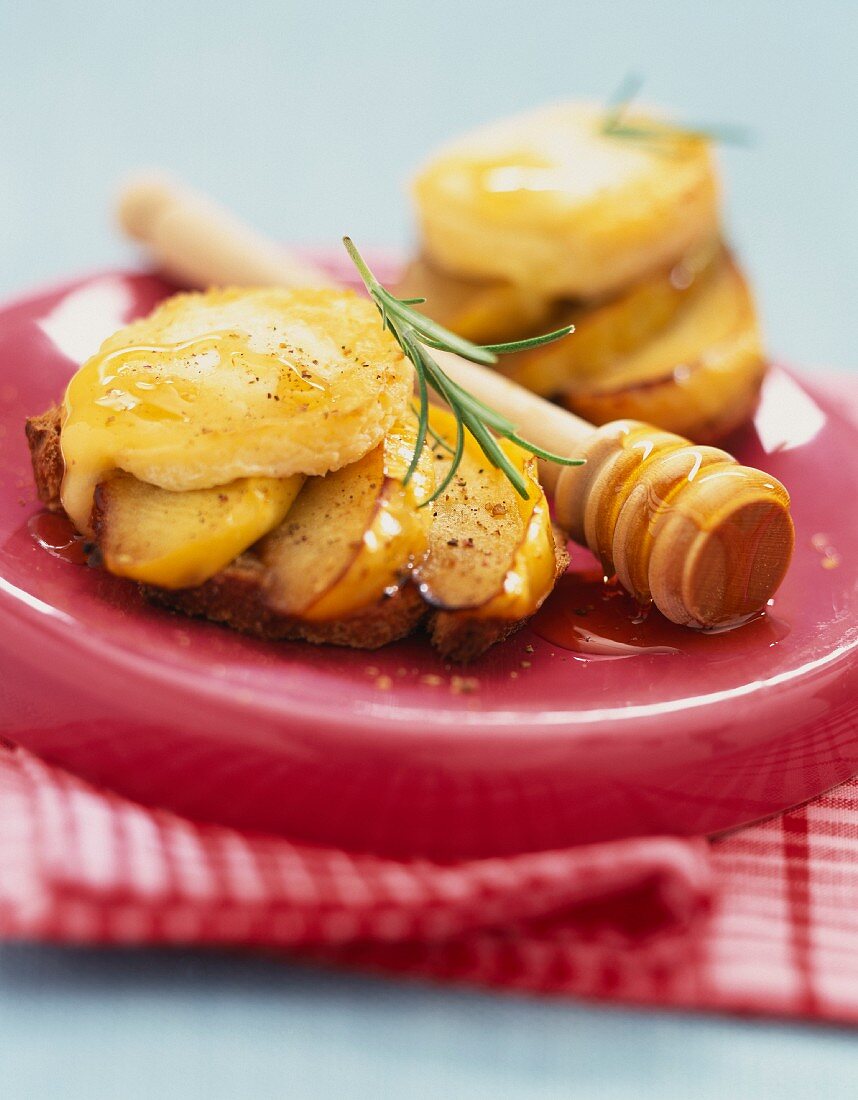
x=236, y=596
x=239, y=594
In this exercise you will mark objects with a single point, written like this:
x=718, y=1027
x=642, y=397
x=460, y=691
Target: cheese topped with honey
x=548, y=200
x=232, y=384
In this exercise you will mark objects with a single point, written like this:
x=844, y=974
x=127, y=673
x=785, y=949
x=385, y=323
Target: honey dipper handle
x=545, y=424
x=199, y=243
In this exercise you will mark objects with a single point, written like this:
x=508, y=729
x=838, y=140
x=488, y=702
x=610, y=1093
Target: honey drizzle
x=55, y=533
x=596, y=619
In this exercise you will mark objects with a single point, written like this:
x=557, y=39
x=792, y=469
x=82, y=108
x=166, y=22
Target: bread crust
x=236, y=595
x=236, y=598
x=462, y=637
x=43, y=437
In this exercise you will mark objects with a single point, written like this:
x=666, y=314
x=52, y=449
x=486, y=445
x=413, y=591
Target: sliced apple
x=494, y=312
x=485, y=312
x=491, y=559
x=699, y=378
x=179, y=540
x=606, y=332
x=352, y=535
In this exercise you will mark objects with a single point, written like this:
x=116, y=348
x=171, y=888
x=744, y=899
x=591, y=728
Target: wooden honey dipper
x=707, y=540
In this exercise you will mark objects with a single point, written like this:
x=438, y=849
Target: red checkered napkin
x=766, y=921
x=86, y=865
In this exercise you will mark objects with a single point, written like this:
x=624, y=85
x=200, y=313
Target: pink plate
x=534, y=746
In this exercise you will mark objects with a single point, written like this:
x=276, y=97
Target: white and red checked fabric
x=763, y=922
x=780, y=936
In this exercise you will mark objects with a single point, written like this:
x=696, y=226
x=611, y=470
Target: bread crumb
x=830, y=555
x=431, y=680
x=463, y=685
x=384, y=683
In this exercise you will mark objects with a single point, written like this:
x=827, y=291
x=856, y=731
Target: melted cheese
x=230, y=384
x=547, y=201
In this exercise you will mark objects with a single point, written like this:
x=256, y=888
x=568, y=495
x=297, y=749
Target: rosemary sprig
x=614, y=124
x=416, y=334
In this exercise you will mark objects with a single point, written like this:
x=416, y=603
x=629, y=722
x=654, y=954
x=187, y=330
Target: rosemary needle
x=614, y=124
x=416, y=334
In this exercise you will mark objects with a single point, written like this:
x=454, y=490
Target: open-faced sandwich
x=608, y=220
x=249, y=456
x=268, y=458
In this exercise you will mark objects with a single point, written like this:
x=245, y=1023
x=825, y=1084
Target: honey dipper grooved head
x=707, y=540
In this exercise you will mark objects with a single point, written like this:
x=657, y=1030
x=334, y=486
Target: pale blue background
x=308, y=118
